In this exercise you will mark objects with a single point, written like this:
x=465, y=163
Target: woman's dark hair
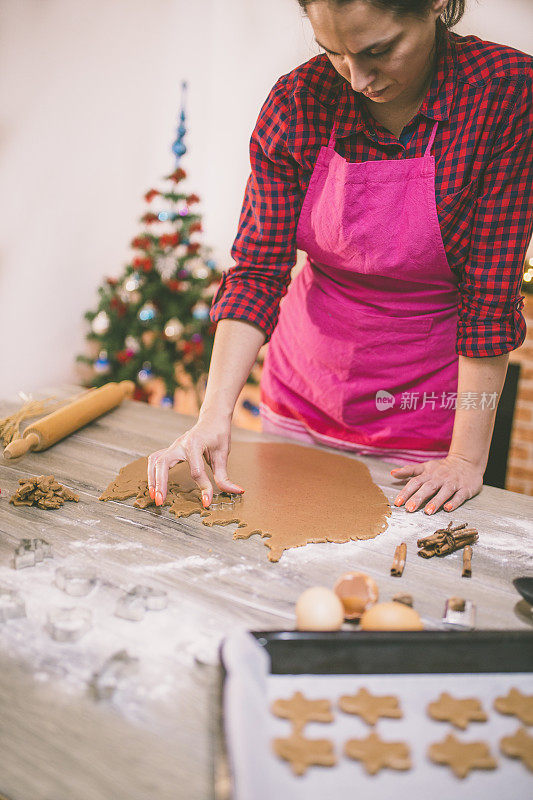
x=414, y=8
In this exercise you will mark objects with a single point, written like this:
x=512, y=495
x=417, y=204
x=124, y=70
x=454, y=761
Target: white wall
x=89, y=97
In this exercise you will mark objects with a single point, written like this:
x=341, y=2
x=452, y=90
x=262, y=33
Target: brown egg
x=357, y=592
x=391, y=617
x=319, y=609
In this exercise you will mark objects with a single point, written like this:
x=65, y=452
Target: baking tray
x=258, y=667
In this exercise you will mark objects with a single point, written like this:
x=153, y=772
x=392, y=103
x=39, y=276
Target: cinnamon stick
x=467, y=562
x=447, y=540
x=451, y=544
x=399, y=560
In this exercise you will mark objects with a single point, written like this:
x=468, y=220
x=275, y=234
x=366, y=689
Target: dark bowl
x=525, y=587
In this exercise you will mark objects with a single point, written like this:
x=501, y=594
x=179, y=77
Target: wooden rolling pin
x=50, y=429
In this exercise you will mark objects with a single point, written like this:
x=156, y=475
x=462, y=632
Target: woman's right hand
x=209, y=440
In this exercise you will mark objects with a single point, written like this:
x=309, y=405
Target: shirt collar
x=352, y=115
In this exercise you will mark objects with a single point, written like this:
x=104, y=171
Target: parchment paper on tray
x=258, y=773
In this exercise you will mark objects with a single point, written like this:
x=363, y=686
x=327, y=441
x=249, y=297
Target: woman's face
x=376, y=50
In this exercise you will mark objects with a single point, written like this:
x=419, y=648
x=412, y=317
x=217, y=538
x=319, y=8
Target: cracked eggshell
x=357, y=592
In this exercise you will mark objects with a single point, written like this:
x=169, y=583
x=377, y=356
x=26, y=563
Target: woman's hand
x=208, y=439
x=454, y=479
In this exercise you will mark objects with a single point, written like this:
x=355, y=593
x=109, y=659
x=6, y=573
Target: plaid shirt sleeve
x=265, y=247
x=490, y=319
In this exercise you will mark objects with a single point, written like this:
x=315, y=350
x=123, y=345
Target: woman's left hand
x=454, y=479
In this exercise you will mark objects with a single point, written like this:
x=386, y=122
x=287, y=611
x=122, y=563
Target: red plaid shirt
x=482, y=93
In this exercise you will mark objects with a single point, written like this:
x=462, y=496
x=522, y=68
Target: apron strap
x=432, y=138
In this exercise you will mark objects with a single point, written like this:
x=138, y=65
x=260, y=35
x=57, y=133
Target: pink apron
x=363, y=356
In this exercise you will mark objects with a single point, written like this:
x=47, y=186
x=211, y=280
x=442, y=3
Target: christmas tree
x=153, y=321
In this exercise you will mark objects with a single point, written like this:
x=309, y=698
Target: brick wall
x=520, y=465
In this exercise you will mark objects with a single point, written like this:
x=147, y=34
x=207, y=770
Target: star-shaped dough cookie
x=517, y=704
x=461, y=757
x=370, y=707
x=303, y=753
x=459, y=711
x=300, y=710
x=520, y=745
x=377, y=754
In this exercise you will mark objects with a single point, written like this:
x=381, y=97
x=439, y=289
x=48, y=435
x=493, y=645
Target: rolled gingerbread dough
x=293, y=495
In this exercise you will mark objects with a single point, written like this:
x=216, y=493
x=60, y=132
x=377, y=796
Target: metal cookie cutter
x=30, y=552
x=75, y=581
x=69, y=624
x=224, y=500
x=133, y=604
x=113, y=672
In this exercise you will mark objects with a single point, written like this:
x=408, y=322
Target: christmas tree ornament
x=178, y=147
x=169, y=240
x=123, y=295
x=167, y=266
x=100, y=323
x=148, y=338
x=165, y=216
x=150, y=218
x=101, y=365
x=167, y=402
x=141, y=242
x=173, y=329
x=211, y=264
x=133, y=282
x=145, y=373
x=183, y=208
x=145, y=263
x=123, y=356
x=199, y=270
x=147, y=312
x=174, y=285
x=200, y=310
x=132, y=344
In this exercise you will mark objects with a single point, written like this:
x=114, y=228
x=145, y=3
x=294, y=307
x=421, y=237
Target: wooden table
x=155, y=739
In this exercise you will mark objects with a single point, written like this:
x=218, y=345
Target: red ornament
x=193, y=248
x=169, y=239
x=149, y=218
x=123, y=356
x=141, y=242
x=192, y=198
x=174, y=285
x=143, y=263
x=177, y=175
x=111, y=281
x=196, y=226
x=149, y=196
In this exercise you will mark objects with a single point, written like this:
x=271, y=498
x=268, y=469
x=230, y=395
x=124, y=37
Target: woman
x=401, y=162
